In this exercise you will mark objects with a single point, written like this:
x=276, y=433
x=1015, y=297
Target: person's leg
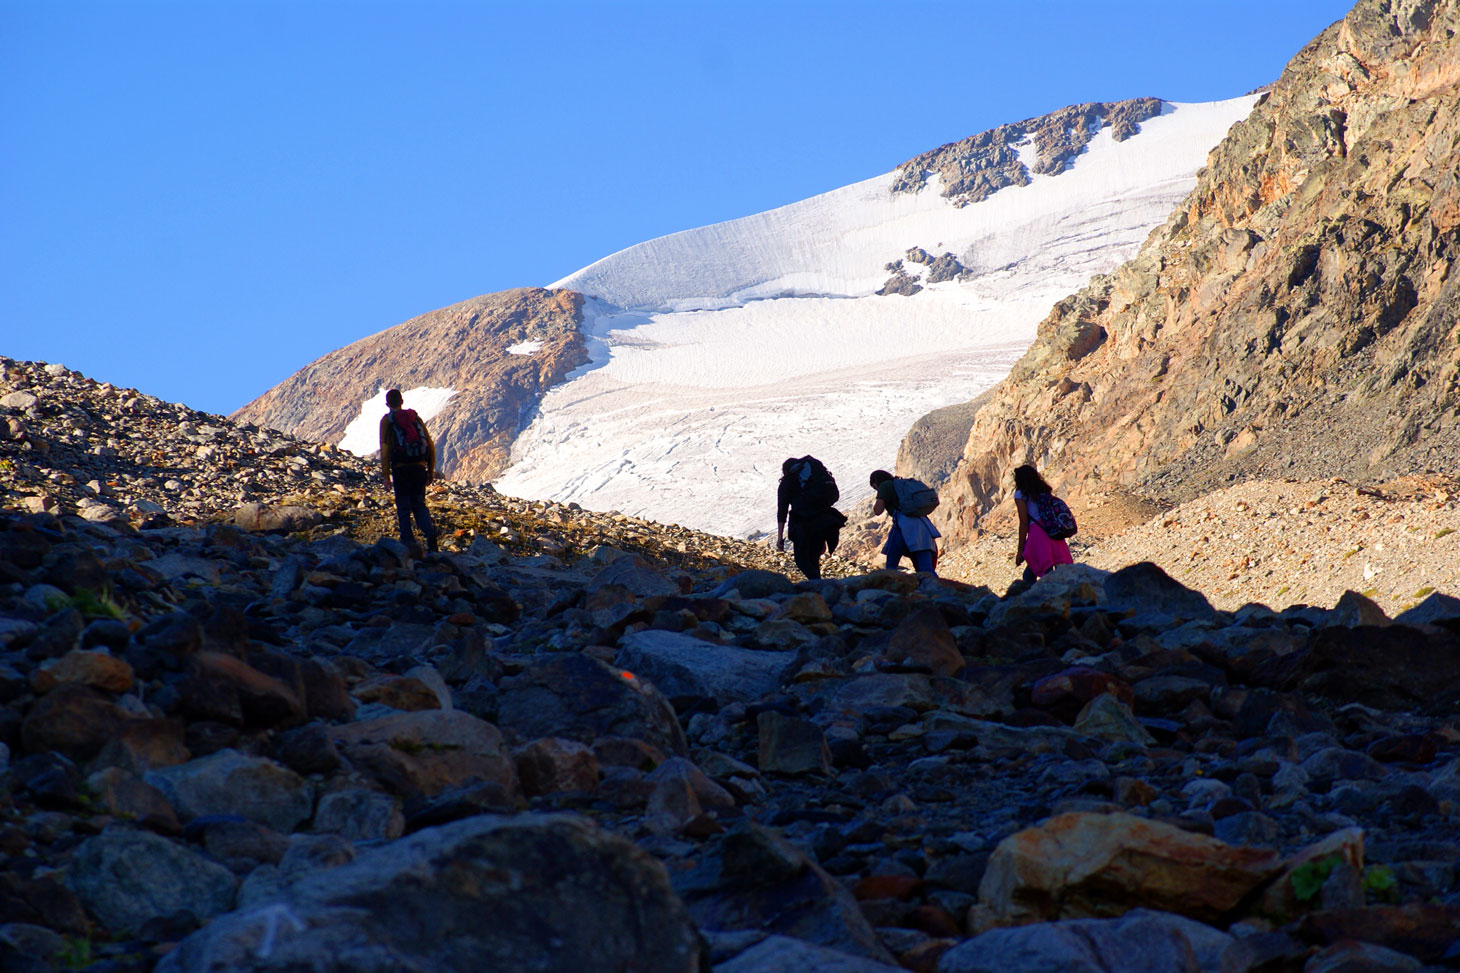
x=423, y=514
x=399, y=479
x=807, y=552
x=895, y=547
x=922, y=562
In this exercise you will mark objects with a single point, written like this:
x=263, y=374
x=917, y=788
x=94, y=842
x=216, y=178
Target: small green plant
x=75, y=953
x=1283, y=590
x=1369, y=592
x=1308, y=879
x=89, y=603
x=1424, y=592
x=1380, y=883
x=1444, y=532
x=1351, y=553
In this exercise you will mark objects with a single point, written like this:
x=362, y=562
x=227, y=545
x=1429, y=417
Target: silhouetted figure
x=408, y=463
x=807, y=491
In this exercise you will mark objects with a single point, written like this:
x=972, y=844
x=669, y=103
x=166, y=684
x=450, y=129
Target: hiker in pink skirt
x=1036, y=504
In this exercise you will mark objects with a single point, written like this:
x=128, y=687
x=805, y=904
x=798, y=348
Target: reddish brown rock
x=126, y=795
x=142, y=745
x=73, y=719
x=405, y=693
x=1098, y=865
x=99, y=670
x=1420, y=929
x=1066, y=693
x=552, y=765
x=887, y=887
x=262, y=699
x=923, y=639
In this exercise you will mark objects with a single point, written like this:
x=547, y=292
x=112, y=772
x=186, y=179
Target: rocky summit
x=243, y=728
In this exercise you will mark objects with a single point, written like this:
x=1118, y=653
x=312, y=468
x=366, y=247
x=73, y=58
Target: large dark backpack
x=410, y=437
x=914, y=497
x=815, y=486
x=1055, y=518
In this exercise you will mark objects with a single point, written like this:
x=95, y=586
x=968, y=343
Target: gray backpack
x=914, y=497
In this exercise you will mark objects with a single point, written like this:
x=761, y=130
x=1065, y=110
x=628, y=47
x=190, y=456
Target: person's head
x=789, y=465
x=878, y=478
x=393, y=399
x=1028, y=481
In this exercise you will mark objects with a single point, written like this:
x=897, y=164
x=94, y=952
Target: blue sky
x=198, y=198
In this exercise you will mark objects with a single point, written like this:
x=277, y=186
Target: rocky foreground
x=241, y=730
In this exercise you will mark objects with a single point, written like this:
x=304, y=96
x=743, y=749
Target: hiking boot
x=431, y=544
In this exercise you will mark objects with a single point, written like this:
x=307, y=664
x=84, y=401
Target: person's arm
x=385, y=444
x=430, y=455
x=1023, y=508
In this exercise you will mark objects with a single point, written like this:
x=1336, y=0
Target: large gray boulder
x=782, y=954
x=574, y=696
x=683, y=666
x=754, y=879
x=548, y=893
x=1138, y=942
x=125, y=878
x=229, y=782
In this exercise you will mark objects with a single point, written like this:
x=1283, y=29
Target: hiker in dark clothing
x=807, y=491
x=408, y=463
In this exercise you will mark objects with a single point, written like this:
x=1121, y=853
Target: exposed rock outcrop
x=463, y=347
x=1295, y=317
x=975, y=168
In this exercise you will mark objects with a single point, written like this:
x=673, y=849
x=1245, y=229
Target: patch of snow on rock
x=362, y=435
x=525, y=348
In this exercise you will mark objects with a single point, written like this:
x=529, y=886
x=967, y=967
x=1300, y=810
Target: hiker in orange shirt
x=408, y=463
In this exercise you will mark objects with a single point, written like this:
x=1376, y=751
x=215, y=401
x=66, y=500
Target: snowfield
x=362, y=435
x=718, y=352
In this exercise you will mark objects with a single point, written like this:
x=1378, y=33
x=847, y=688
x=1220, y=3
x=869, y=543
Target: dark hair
x=788, y=465
x=878, y=478
x=393, y=399
x=1028, y=482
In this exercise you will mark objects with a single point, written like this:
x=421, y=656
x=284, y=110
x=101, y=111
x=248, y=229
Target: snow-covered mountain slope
x=718, y=352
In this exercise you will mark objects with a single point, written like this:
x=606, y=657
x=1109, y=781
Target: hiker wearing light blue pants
x=912, y=536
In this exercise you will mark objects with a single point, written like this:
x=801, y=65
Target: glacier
x=717, y=352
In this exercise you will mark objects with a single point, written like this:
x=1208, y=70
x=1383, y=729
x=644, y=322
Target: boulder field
x=230, y=740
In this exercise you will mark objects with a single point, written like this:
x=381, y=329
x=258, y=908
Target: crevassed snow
x=716, y=353
x=362, y=435
x=525, y=348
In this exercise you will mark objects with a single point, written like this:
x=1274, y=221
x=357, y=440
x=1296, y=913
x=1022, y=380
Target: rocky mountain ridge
x=251, y=734
x=1295, y=318
x=464, y=347
x=974, y=168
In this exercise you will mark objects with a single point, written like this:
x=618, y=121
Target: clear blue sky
x=199, y=197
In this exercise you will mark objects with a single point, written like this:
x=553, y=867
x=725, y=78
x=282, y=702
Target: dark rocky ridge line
x=248, y=749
